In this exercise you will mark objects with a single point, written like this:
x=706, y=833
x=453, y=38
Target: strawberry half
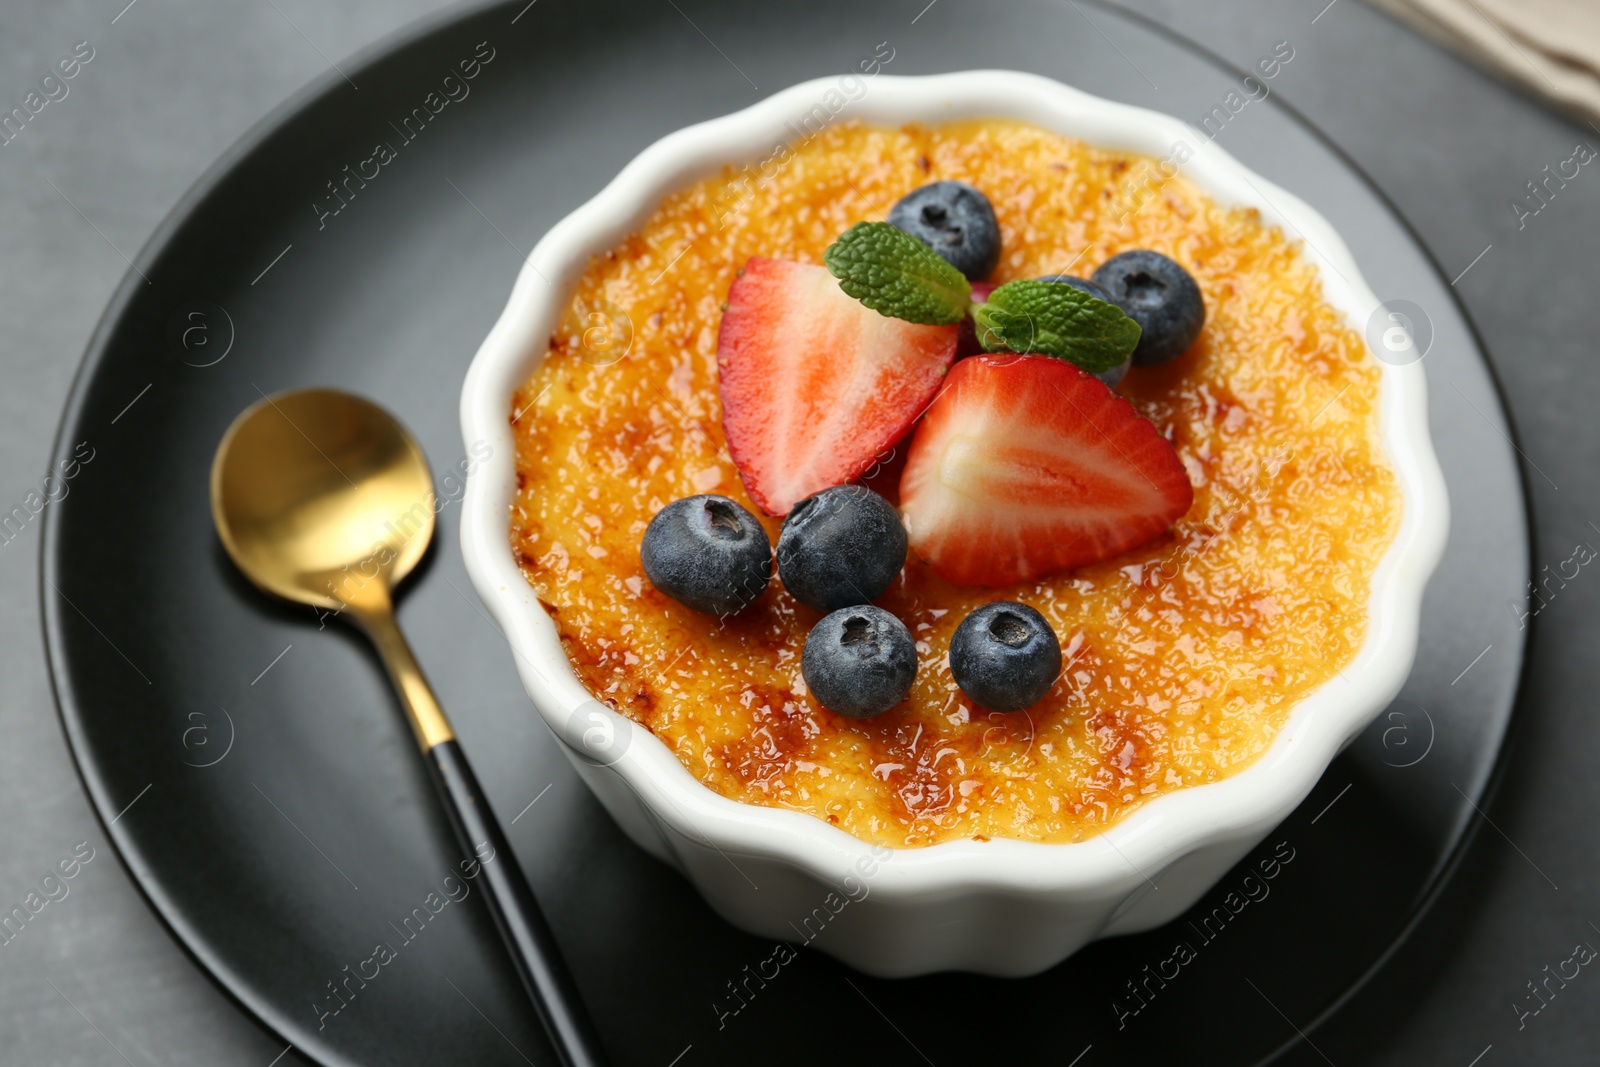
x=815, y=386
x=1026, y=465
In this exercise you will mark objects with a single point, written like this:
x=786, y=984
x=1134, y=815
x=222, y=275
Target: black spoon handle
x=522, y=924
x=516, y=913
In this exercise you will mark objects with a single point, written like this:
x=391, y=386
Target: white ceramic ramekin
x=998, y=907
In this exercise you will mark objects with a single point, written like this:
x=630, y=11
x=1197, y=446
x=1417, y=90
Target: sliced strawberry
x=815, y=386
x=1026, y=465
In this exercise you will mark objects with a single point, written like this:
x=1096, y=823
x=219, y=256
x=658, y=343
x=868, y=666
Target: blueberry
x=842, y=546
x=1161, y=297
x=1005, y=656
x=1083, y=285
x=707, y=553
x=956, y=221
x=860, y=661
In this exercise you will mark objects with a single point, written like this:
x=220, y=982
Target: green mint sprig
x=1055, y=320
x=897, y=275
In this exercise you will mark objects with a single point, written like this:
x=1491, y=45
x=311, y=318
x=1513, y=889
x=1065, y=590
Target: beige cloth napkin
x=1551, y=47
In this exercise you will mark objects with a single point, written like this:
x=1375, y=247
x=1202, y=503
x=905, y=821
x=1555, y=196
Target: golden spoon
x=323, y=498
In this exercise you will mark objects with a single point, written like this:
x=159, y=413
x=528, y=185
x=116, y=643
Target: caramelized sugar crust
x=1183, y=658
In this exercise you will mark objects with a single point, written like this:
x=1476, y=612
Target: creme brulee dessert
x=1080, y=598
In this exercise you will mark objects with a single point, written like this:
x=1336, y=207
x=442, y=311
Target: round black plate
x=253, y=770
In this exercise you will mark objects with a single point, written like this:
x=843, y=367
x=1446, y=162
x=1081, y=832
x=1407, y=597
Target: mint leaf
x=897, y=275
x=1054, y=319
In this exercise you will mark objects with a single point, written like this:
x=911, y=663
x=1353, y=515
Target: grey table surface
x=97, y=980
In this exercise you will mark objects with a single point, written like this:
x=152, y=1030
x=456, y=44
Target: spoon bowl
x=318, y=494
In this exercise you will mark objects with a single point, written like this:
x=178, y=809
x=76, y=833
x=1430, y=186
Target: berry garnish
x=1026, y=465
x=816, y=387
x=1083, y=285
x=956, y=221
x=1005, y=656
x=707, y=553
x=859, y=661
x=843, y=546
x=1161, y=296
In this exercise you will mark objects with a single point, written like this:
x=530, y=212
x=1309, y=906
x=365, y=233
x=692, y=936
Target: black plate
x=252, y=768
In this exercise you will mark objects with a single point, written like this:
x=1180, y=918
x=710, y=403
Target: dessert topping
x=1005, y=656
x=1055, y=320
x=859, y=661
x=815, y=386
x=842, y=546
x=1026, y=465
x=707, y=553
x=1161, y=297
x=1115, y=375
x=956, y=221
x=895, y=274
